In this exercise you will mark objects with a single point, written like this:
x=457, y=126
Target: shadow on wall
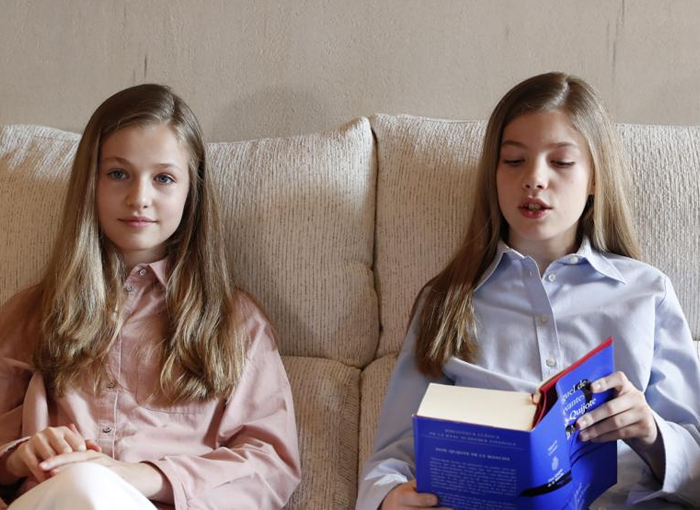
x=272, y=113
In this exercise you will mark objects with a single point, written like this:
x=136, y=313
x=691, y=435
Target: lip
x=525, y=211
x=137, y=221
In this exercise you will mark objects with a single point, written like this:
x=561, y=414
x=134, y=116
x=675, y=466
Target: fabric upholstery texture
x=34, y=166
x=327, y=405
x=665, y=162
x=299, y=216
x=424, y=191
x=375, y=378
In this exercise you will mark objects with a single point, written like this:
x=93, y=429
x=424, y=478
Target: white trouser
x=85, y=486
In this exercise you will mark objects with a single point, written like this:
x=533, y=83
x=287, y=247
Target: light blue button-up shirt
x=530, y=327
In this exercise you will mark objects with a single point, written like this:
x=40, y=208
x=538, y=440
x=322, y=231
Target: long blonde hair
x=447, y=325
x=203, y=351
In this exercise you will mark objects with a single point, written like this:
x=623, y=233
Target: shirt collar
x=160, y=269
x=597, y=260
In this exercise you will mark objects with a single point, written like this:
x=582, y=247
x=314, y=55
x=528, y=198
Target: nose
x=139, y=195
x=535, y=176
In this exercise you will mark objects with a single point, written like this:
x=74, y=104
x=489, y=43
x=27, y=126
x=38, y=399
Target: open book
x=481, y=449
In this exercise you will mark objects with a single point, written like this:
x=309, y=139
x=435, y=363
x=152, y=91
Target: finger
x=76, y=442
x=68, y=458
x=57, y=439
x=630, y=432
x=617, y=381
x=617, y=405
x=418, y=499
x=41, y=447
x=612, y=424
x=92, y=445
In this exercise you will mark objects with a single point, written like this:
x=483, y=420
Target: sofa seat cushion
x=375, y=379
x=327, y=405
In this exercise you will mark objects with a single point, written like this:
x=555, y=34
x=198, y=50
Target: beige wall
x=258, y=68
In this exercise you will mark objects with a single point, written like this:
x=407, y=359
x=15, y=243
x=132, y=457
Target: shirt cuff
x=675, y=470
x=179, y=497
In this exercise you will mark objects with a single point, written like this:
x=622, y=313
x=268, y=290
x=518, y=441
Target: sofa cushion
x=299, y=218
x=424, y=189
x=665, y=164
x=375, y=379
x=34, y=166
x=423, y=200
x=299, y=227
x=327, y=405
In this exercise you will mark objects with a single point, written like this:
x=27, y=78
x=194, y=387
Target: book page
x=494, y=408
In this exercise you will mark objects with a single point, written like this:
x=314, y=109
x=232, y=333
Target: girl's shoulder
x=18, y=327
x=637, y=272
x=255, y=322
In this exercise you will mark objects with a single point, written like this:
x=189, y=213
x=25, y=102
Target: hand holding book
x=626, y=416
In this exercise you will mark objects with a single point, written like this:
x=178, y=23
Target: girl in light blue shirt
x=548, y=269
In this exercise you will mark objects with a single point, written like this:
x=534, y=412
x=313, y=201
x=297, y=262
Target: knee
x=83, y=484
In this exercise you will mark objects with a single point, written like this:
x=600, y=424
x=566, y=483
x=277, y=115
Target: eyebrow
x=122, y=161
x=558, y=145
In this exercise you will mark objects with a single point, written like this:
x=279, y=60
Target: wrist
x=11, y=468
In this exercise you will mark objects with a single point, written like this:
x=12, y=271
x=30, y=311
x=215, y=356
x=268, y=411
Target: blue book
x=489, y=449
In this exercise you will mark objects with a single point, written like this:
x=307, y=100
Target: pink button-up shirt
x=215, y=454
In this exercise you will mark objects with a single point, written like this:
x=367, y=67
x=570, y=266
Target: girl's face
x=544, y=178
x=142, y=188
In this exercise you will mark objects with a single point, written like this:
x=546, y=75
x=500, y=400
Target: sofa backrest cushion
x=298, y=223
x=424, y=190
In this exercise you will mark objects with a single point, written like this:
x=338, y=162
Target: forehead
x=156, y=141
x=548, y=128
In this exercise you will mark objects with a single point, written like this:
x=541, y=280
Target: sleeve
x=15, y=374
x=257, y=464
x=392, y=461
x=674, y=396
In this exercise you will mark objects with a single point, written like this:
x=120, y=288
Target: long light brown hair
x=203, y=351
x=447, y=325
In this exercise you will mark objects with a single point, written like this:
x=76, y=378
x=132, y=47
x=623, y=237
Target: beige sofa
x=335, y=233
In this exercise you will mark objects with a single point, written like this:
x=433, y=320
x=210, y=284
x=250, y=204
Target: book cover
x=503, y=451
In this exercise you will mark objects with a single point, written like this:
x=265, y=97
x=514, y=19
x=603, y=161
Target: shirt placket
x=109, y=414
x=543, y=317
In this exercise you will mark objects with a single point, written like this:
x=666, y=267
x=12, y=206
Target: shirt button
x=111, y=384
x=142, y=272
x=573, y=259
x=129, y=288
x=544, y=319
x=107, y=430
x=551, y=362
x=551, y=277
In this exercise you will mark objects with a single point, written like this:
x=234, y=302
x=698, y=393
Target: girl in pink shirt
x=135, y=374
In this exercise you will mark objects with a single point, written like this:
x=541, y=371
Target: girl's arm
x=392, y=461
x=257, y=464
x=664, y=425
x=15, y=374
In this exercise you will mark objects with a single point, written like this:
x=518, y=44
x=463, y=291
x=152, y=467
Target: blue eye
x=116, y=174
x=164, y=179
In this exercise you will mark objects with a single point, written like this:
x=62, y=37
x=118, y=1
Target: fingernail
x=44, y=465
x=583, y=436
x=596, y=386
x=582, y=423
